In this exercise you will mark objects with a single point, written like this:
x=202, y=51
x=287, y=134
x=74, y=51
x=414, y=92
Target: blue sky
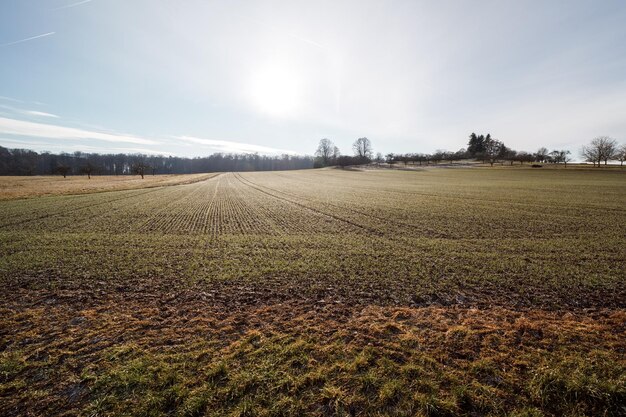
x=195, y=77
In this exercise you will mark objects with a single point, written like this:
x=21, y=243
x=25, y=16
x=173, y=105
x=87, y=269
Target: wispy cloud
x=40, y=113
x=5, y=141
x=78, y=3
x=14, y=100
x=65, y=147
x=36, y=113
x=32, y=129
x=227, y=146
x=43, y=35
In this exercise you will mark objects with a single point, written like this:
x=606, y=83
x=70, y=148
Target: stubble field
x=329, y=292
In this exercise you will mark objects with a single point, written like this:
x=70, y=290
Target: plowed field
x=326, y=292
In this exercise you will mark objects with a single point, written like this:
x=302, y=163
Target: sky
x=193, y=77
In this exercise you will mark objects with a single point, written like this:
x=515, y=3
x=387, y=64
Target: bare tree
x=344, y=160
x=390, y=158
x=510, y=155
x=565, y=157
x=88, y=169
x=609, y=148
x=620, y=155
x=379, y=159
x=601, y=148
x=63, y=170
x=554, y=157
x=590, y=154
x=140, y=168
x=362, y=148
x=401, y=157
x=523, y=156
x=419, y=157
x=493, y=149
x=541, y=155
x=560, y=156
x=326, y=151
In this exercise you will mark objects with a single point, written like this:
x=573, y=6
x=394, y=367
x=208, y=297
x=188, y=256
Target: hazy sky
x=195, y=77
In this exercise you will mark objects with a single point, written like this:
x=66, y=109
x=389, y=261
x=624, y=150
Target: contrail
x=291, y=35
x=28, y=39
x=306, y=40
x=73, y=4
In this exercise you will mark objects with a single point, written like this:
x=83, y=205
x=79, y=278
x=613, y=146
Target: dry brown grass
x=14, y=187
x=185, y=354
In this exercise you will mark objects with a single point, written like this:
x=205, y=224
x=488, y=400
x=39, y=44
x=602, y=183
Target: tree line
x=479, y=147
x=27, y=162
x=483, y=148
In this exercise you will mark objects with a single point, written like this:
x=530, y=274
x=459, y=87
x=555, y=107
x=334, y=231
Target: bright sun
x=275, y=90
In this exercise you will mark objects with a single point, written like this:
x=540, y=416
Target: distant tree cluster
x=490, y=150
x=483, y=148
x=603, y=149
x=480, y=147
x=600, y=149
x=425, y=158
x=26, y=162
x=327, y=154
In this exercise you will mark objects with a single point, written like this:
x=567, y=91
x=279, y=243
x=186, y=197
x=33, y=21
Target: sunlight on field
x=326, y=292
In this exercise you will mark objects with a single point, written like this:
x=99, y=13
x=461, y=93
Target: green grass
x=278, y=374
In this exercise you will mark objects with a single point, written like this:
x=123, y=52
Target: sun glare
x=275, y=90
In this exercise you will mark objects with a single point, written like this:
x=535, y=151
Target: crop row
x=410, y=205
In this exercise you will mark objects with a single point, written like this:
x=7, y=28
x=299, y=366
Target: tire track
x=178, y=214
x=74, y=210
x=578, y=211
x=304, y=206
x=127, y=195
x=432, y=233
